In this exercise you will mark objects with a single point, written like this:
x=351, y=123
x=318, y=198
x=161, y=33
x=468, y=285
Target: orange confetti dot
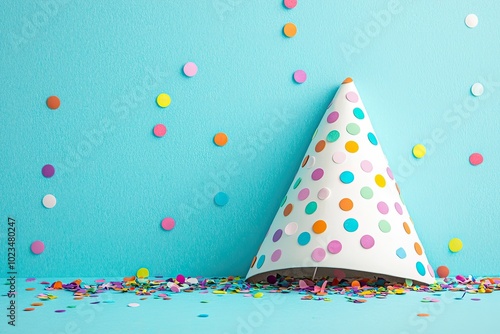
x=347, y=80
x=423, y=314
x=220, y=139
x=320, y=146
x=351, y=146
x=30, y=289
x=253, y=261
x=443, y=271
x=288, y=209
x=418, y=248
x=36, y=304
x=355, y=284
x=57, y=285
x=306, y=159
x=29, y=309
x=319, y=227
x=346, y=204
x=53, y=102
x=406, y=227
x=289, y=29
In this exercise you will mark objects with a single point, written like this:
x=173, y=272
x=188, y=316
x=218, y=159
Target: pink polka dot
x=476, y=159
x=338, y=157
x=318, y=254
x=366, y=166
x=398, y=208
x=334, y=246
x=382, y=208
x=389, y=173
x=430, y=270
x=367, y=241
x=190, y=69
x=317, y=174
x=276, y=255
x=299, y=76
x=303, y=194
x=323, y=193
x=159, y=130
x=168, y=223
x=290, y=3
x=352, y=97
x=333, y=117
x=37, y=247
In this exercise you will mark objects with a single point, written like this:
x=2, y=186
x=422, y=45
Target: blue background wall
x=115, y=181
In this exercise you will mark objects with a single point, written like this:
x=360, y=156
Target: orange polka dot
x=397, y=187
x=406, y=227
x=351, y=146
x=347, y=80
x=220, y=139
x=306, y=159
x=443, y=271
x=320, y=146
x=346, y=204
x=319, y=226
x=253, y=261
x=53, y=102
x=289, y=29
x=418, y=248
x=380, y=180
x=288, y=209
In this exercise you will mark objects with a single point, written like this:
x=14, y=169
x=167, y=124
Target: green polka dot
x=297, y=183
x=358, y=113
x=384, y=226
x=315, y=133
x=311, y=207
x=333, y=136
x=366, y=192
x=352, y=128
x=283, y=202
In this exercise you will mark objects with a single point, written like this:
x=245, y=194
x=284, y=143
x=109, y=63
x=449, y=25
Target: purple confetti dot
x=48, y=170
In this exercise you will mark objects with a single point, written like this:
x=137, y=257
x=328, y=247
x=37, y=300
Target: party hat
x=343, y=215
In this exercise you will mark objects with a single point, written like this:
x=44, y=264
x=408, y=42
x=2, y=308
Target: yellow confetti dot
x=258, y=295
x=289, y=29
x=419, y=151
x=142, y=273
x=455, y=245
x=163, y=100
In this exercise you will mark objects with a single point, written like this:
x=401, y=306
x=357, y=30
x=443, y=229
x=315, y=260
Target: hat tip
x=347, y=80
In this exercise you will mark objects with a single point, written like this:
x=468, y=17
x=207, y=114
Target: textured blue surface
x=115, y=181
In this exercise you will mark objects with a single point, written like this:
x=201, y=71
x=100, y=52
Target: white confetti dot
x=471, y=20
x=49, y=201
x=133, y=305
x=477, y=89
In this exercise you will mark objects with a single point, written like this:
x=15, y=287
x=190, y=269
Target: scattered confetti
x=299, y=76
x=423, y=314
x=203, y=315
x=48, y=171
x=37, y=247
x=168, y=223
x=49, y=201
x=163, y=100
x=476, y=159
x=53, y=102
x=289, y=30
x=133, y=305
x=471, y=20
x=190, y=69
x=221, y=199
x=220, y=139
x=455, y=245
x=290, y=3
x=258, y=295
x=475, y=299
x=419, y=151
x=477, y=89
x=60, y=311
x=29, y=309
x=160, y=130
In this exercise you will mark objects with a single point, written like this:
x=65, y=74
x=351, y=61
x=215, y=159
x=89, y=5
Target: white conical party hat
x=343, y=214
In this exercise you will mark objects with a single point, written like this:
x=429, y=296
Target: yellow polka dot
x=419, y=151
x=351, y=146
x=289, y=29
x=143, y=273
x=455, y=245
x=163, y=100
x=380, y=180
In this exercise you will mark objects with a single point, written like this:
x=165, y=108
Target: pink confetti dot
x=383, y=208
x=190, y=69
x=334, y=246
x=367, y=241
x=160, y=130
x=37, y=247
x=303, y=194
x=299, y=76
x=333, y=117
x=317, y=174
x=366, y=166
x=352, y=97
x=476, y=159
x=290, y=3
x=168, y=223
x=48, y=170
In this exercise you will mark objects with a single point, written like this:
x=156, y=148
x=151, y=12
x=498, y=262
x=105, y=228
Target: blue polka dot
x=304, y=238
x=400, y=252
x=358, y=113
x=350, y=225
x=221, y=199
x=420, y=268
x=372, y=138
x=346, y=177
x=262, y=258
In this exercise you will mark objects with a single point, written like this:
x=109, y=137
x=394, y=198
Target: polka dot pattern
x=276, y=255
x=324, y=193
x=334, y=246
x=351, y=225
x=318, y=254
x=304, y=238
